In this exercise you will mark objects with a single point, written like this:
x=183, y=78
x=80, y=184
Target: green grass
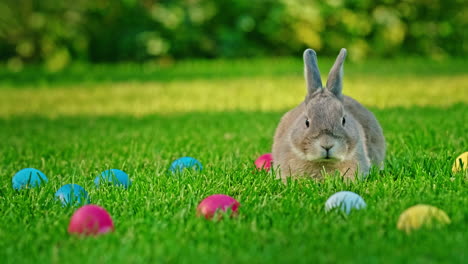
x=73, y=129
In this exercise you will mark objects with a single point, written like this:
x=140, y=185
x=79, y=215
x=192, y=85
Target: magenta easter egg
x=90, y=220
x=217, y=202
x=264, y=162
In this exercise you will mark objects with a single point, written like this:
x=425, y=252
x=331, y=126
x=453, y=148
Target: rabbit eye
x=307, y=123
x=343, y=121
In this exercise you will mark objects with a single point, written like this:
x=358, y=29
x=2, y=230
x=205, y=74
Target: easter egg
x=345, y=201
x=114, y=177
x=72, y=194
x=461, y=163
x=90, y=220
x=264, y=162
x=217, y=203
x=422, y=215
x=28, y=177
x=185, y=163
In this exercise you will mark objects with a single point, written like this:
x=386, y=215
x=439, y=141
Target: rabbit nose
x=327, y=147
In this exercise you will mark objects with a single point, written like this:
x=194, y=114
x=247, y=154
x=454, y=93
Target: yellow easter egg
x=459, y=161
x=421, y=215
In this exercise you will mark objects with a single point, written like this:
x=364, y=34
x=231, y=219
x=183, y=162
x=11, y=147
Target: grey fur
x=311, y=72
x=326, y=144
x=335, y=77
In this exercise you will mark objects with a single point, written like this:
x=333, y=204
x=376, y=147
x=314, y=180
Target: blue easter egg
x=72, y=194
x=28, y=177
x=346, y=201
x=185, y=163
x=113, y=176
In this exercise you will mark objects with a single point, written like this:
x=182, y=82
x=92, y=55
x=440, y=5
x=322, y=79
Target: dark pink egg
x=213, y=203
x=90, y=220
x=264, y=162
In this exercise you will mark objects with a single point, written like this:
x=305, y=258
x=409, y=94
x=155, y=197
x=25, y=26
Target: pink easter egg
x=213, y=203
x=264, y=162
x=90, y=220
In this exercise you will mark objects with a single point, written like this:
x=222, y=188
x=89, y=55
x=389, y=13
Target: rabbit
x=328, y=131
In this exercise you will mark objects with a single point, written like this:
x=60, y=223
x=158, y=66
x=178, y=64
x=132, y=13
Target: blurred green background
x=56, y=33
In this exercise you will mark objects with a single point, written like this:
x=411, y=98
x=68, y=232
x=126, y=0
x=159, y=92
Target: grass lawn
x=74, y=124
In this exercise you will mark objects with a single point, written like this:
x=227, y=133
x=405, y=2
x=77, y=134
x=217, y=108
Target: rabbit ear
x=335, y=77
x=311, y=72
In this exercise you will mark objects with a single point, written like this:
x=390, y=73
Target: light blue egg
x=72, y=194
x=185, y=163
x=28, y=177
x=346, y=201
x=113, y=176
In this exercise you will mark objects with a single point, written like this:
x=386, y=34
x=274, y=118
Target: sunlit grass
x=239, y=94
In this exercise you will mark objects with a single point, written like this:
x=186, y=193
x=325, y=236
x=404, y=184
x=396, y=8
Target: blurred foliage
x=55, y=32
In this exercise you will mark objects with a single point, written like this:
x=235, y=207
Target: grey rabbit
x=328, y=131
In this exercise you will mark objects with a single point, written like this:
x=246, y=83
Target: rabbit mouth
x=315, y=158
x=327, y=159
